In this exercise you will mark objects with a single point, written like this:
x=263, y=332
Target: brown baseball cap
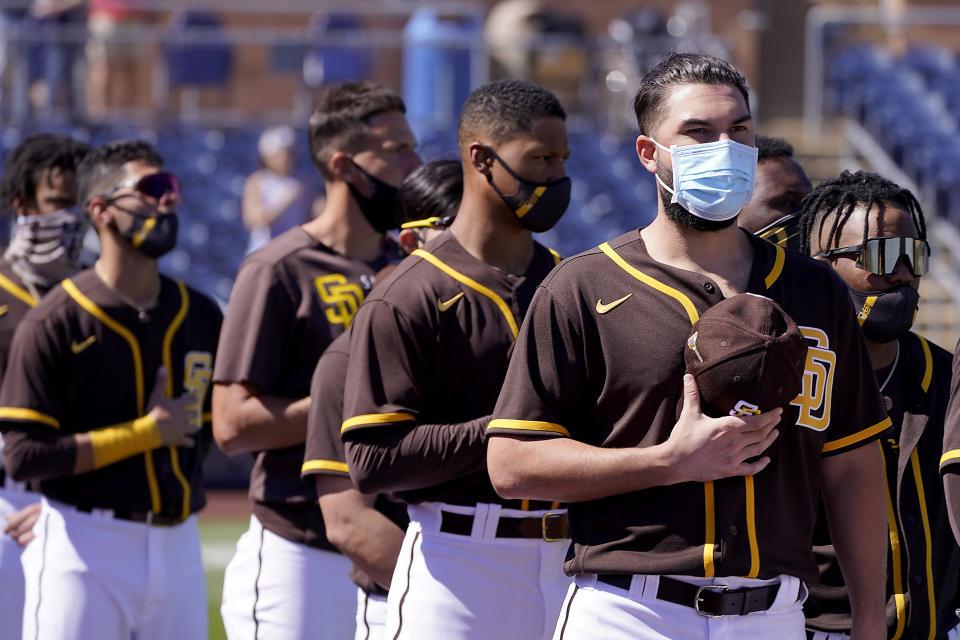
x=747, y=356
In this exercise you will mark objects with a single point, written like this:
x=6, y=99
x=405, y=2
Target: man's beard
x=676, y=213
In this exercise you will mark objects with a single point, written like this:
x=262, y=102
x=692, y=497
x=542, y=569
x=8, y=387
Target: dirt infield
x=226, y=505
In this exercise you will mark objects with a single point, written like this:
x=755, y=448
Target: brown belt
x=710, y=601
x=145, y=517
x=550, y=527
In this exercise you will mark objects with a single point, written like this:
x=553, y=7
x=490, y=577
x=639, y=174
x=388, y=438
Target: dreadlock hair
x=841, y=196
x=35, y=154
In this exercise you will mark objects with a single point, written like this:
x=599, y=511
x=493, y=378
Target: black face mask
x=152, y=236
x=382, y=207
x=538, y=205
x=884, y=316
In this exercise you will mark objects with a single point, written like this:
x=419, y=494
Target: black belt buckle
x=554, y=526
x=698, y=599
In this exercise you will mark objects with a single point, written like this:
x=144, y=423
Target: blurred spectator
x=274, y=200
x=53, y=54
x=115, y=72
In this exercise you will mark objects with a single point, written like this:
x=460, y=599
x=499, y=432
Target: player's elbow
x=506, y=472
x=227, y=424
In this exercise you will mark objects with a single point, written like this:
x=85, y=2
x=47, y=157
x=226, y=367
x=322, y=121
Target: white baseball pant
x=93, y=576
x=597, y=611
x=475, y=587
x=275, y=589
x=371, y=616
x=11, y=572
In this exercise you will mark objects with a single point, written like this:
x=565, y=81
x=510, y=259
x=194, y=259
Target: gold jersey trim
x=928, y=365
x=528, y=425
x=953, y=454
x=473, y=284
x=856, y=437
x=17, y=291
x=777, y=267
x=16, y=413
x=899, y=597
x=928, y=551
x=168, y=363
x=324, y=465
x=376, y=418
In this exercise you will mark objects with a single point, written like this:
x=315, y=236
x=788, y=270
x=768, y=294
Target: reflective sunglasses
x=429, y=223
x=881, y=255
x=155, y=185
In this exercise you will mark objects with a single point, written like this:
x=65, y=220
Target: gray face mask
x=45, y=248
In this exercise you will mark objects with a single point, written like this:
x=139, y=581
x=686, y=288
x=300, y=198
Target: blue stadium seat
x=194, y=63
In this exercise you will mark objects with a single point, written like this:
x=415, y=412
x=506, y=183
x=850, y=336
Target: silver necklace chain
x=141, y=309
x=893, y=367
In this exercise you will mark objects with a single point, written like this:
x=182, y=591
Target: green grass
x=219, y=537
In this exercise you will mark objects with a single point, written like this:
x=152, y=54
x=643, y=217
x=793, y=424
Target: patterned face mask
x=44, y=248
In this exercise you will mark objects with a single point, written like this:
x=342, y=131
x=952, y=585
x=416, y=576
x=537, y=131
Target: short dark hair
x=30, y=158
x=676, y=69
x=341, y=120
x=842, y=195
x=432, y=191
x=769, y=147
x=100, y=171
x=505, y=109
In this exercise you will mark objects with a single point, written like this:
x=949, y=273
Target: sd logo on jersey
x=197, y=371
x=341, y=297
x=815, y=398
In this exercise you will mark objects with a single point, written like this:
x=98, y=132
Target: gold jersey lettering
x=817, y=393
x=340, y=297
x=197, y=371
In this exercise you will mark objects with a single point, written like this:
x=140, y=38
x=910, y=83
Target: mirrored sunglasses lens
x=881, y=255
x=158, y=185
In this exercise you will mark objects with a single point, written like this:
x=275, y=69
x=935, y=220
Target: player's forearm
x=570, y=471
x=401, y=458
x=363, y=534
x=852, y=486
x=40, y=455
x=248, y=422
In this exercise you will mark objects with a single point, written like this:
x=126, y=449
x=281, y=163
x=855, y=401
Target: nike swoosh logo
x=603, y=308
x=80, y=347
x=443, y=306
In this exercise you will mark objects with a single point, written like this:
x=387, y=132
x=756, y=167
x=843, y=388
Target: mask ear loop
x=503, y=164
x=673, y=168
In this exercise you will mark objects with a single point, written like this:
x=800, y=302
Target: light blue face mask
x=713, y=180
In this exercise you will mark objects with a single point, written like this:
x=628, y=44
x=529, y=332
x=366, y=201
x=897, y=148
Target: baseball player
x=691, y=527
x=873, y=234
x=117, y=553
x=773, y=211
x=290, y=300
x=428, y=351
x=369, y=529
x=39, y=187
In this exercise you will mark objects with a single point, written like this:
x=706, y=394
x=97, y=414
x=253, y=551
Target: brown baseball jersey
x=15, y=301
x=290, y=300
x=81, y=360
x=600, y=359
x=324, y=450
x=428, y=352
x=923, y=561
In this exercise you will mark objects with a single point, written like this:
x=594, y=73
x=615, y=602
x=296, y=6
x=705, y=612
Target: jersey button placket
x=709, y=288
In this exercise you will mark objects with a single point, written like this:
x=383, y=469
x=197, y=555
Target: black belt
x=550, y=527
x=145, y=517
x=710, y=601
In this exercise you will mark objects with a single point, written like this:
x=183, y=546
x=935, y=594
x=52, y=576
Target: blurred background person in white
x=274, y=199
